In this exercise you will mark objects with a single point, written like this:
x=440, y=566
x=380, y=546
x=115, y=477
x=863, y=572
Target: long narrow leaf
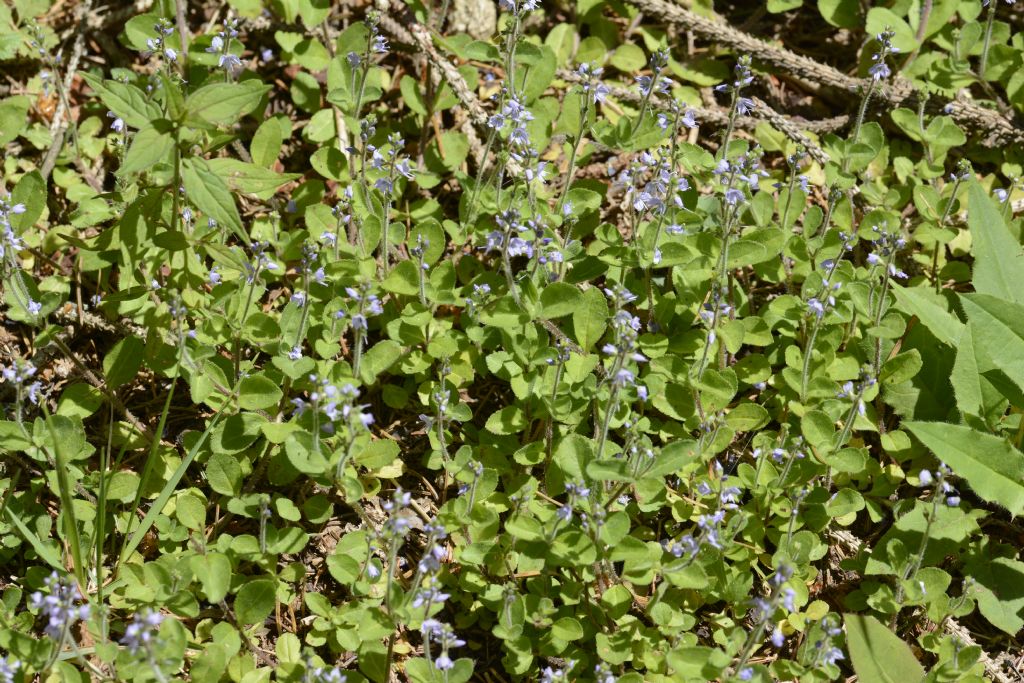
x=67, y=502
x=42, y=550
x=168, y=490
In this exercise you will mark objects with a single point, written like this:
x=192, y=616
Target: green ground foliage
x=629, y=340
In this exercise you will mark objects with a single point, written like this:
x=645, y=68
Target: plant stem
x=807, y=359
x=989, y=21
x=584, y=112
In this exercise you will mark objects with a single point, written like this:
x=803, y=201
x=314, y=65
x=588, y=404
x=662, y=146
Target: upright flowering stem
x=559, y=361
x=943, y=491
x=794, y=166
x=491, y=136
x=303, y=300
x=878, y=71
x=584, y=113
x=856, y=408
x=611, y=408
x=764, y=610
x=720, y=286
x=989, y=21
x=808, y=352
x=818, y=306
x=659, y=60
x=364, y=63
x=252, y=277
x=506, y=265
x=962, y=173
x=626, y=328
x=738, y=104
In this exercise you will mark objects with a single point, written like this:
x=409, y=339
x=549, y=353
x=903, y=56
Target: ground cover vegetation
x=599, y=341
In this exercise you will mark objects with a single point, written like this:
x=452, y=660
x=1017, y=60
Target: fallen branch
x=791, y=128
x=999, y=130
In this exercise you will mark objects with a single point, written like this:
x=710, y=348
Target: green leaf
x=628, y=58
x=998, y=257
x=481, y=51
x=590, y=318
x=567, y=628
x=966, y=378
x=999, y=590
x=149, y=147
x=877, y=654
x=255, y=601
x=559, y=299
x=778, y=6
x=123, y=361
x=845, y=13
x=508, y=420
x=79, y=400
x=221, y=104
x=999, y=326
x=266, y=142
x=377, y=454
x=379, y=358
x=224, y=474
x=249, y=178
x=819, y=429
x=30, y=191
x=922, y=303
x=214, y=573
x=993, y=468
x=126, y=101
x=211, y=195
x=13, y=111
x=258, y=392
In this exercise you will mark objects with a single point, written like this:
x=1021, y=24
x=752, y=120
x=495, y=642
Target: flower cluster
x=884, y=248
x=159, y=45
x=443, y=635
x=366, y=305
x=142, y=630
x=18, y=373
x=743, y=78
x=626, y=329
x=590, y=82
x=481, y=292
x=662, y=188
x=260, y=261
x=391, y=164
x=10, y=246
x=397, y=525
x=941, y=481
x=819, y=305
x=681, y=114
x=62, y=604
x=656, y=82
x=763, y=609
x=825, y=651
x=221, y=44
x=549, y=675
x=745, y=168
x=376, y=43
x=520, y=7
x=879, y=70
x=8, y=669
x=319, y=674
x=709, y=526
x=856, y=390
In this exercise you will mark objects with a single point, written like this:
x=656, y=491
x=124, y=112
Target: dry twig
x=999, y=130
